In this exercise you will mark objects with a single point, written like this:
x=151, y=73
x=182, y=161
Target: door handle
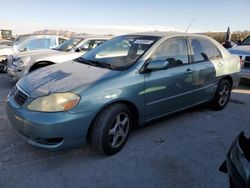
x=188, y=71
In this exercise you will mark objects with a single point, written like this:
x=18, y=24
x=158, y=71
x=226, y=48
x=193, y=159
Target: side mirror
x=158, y=65
x=239, y=42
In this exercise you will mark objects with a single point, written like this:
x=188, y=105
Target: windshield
x=119, y=52
x=68, y=45
x=246, y=41
x=20, y=39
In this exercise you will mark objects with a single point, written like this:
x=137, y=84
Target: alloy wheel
x=119, y=130
x=224, y=95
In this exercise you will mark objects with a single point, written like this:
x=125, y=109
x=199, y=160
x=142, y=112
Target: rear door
x=171, y=89
x=205, y=57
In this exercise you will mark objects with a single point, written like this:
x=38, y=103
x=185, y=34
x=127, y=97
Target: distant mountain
x=59, y=32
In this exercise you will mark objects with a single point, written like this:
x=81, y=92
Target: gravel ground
x=184, y=150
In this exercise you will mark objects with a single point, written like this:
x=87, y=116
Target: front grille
x=19, y=96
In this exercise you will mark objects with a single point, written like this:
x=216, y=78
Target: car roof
x=166, y=34
x=92, y=37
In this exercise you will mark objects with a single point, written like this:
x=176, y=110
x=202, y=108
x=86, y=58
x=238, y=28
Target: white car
x=22, y=63
x=28, y=43
x=243, y=51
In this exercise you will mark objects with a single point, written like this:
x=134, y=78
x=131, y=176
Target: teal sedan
x=123, y=83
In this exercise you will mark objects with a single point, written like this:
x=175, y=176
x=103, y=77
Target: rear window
x=203, y=49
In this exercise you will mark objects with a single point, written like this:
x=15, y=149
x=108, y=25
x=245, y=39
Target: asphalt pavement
x=184, y=150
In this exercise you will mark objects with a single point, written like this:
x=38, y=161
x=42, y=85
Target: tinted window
x=203, y=49
x=174, y=50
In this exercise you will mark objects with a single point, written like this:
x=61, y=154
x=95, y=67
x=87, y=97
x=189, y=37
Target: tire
x=222, y=95
x=110, y=129
x=231, y=183
x=3, y=65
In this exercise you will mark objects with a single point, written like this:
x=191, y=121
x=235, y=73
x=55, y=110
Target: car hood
x=240, y=50
x=4, y=47
x=62, y=78
x=35, y=53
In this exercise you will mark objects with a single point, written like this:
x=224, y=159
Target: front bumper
x=49, y=130
x=14, y=73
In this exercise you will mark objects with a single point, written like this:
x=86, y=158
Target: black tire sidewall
x=216, y=103
x=103, y=125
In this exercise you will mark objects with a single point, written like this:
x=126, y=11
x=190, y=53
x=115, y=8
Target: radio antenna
x=189, y=25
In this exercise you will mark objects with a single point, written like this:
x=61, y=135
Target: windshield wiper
x=95, y=63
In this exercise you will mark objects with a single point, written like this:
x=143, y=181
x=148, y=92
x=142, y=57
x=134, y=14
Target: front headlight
x=55, y=102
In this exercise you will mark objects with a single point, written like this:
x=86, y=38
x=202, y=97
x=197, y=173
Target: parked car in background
x=27, y=43
x=237, y=164
x=6, y=43
x=243, y=50
x=228, y=44
x=125, y=82
x=6, y=34
x=22, y=63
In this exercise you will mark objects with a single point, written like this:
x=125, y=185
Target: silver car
x=29, y=43
x=243, y=50
x=22, y=63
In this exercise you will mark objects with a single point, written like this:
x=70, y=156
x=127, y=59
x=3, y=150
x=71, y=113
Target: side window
x=173, y=50
x=36, y=44
x=91, y=44
x=61, y=40
x=203, y=49
x=53, y=42
x=97, y=43
x=85, y=45
x=217, y=53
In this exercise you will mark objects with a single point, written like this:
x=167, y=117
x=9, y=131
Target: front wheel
x=222, y=95
x=111, y=128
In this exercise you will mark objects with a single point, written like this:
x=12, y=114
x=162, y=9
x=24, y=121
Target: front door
x=171, y=89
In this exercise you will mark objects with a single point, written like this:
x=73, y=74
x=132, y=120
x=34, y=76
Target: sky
x=124, y=16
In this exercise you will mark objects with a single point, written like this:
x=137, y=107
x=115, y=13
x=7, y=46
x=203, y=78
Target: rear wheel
x=222, y=95
x=111, y=128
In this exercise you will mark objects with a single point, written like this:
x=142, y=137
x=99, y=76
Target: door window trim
x=142, y=69
x=192, y=52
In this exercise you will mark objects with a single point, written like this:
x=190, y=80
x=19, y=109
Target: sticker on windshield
x=141, y=41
